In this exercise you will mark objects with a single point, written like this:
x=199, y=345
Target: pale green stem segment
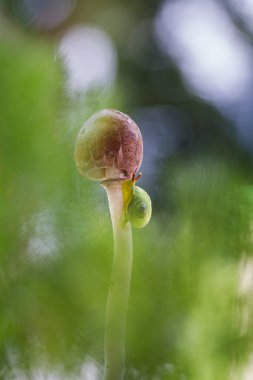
x=116, y=310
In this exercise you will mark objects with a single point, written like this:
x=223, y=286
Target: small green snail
x=138, y=208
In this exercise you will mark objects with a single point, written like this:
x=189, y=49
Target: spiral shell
x=139, y=209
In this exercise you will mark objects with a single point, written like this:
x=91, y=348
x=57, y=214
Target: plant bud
x=108, y=146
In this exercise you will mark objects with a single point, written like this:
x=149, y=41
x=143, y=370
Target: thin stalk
x=117, y=301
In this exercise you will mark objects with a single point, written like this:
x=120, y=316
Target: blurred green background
x=183, y=70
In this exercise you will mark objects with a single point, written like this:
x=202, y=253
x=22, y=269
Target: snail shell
x=139, y=209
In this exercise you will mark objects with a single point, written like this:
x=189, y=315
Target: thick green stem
x=117, y=301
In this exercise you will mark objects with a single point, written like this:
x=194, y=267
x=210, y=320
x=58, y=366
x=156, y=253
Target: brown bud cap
x=109, y=145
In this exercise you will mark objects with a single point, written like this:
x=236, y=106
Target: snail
x=138, y=208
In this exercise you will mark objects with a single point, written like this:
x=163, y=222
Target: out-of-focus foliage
x=190, y=309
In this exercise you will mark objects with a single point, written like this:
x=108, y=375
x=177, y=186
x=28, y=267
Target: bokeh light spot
x=90, y=58
x=46, y=14
x=214, y=58
x=244, y=8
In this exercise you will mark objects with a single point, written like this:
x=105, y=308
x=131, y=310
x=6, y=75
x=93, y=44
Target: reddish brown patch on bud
x=109, y=145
